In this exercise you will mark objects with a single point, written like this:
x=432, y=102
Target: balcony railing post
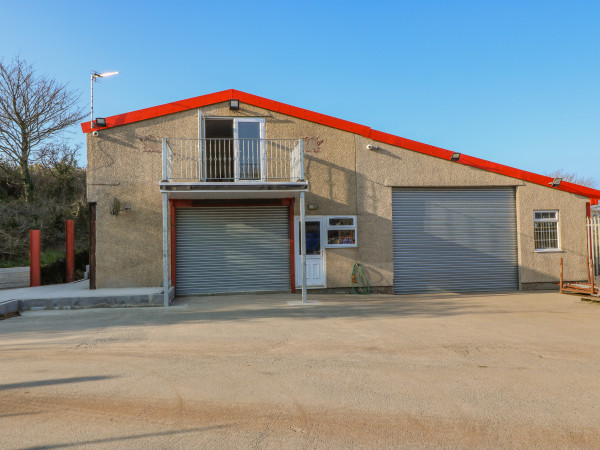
x=262, y=149
x=301, y=159
x=165, y=174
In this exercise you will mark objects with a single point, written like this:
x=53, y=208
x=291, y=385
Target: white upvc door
x=249, y=150
x=315, y=252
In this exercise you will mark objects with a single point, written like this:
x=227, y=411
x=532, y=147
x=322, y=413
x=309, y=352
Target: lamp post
x=93, y=78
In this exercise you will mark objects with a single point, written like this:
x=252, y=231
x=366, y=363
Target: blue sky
x=515, y=82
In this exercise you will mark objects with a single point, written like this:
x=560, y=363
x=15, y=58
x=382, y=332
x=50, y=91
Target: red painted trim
x=588, y=210
x=35, y=273
x=69, y=250
x=594, y=201
x=185, y=203
x=160, y=110
x=173, y=242
x=311, y=116
x=292, y=249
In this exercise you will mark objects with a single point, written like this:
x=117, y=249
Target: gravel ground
x=517, y=370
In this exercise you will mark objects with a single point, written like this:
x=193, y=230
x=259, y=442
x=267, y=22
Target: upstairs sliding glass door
x=249, y=135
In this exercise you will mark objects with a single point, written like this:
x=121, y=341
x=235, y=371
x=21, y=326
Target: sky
x=514, y=82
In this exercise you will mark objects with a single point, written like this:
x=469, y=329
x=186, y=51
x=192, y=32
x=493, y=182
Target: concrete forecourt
x=505, y=370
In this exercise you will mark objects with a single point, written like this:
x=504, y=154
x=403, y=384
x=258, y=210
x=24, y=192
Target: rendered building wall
x=344, y=178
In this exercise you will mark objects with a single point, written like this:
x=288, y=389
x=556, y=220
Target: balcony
x=232, y=164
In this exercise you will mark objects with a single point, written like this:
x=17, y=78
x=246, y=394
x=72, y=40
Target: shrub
x=59, y=195
x=56, y=272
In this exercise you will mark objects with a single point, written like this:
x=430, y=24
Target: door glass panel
x=249, y=152
x=218, y=157
x=313, y=238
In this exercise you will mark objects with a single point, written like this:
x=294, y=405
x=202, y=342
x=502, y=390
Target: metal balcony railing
x=233, y=160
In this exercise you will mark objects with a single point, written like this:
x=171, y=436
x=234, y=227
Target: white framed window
x=341, y=231
x=545, y=231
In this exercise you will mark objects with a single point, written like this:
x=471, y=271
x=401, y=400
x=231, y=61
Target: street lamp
x=93, y=78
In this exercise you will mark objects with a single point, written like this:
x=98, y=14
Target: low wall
x=14, y=277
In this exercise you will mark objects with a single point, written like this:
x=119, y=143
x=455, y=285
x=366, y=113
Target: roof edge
x=323, y=119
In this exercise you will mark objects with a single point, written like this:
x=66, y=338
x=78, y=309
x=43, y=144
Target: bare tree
x=573, y=178
x=34, y=110
x=578, y=179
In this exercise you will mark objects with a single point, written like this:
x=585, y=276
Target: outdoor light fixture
x=556, y=182
x=455, y=157
x=100, y=122
x=234, y=104
x=94, y=77
x=115, y=207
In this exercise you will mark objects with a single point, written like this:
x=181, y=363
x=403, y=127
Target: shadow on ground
x=39, y=383
x=123, y=439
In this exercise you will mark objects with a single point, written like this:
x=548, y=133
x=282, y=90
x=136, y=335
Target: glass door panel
x=249, y=134
x=249, y=150
x=313, y=237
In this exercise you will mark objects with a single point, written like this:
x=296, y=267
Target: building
x=229, y=170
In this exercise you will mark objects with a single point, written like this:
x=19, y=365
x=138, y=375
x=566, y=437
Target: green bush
x=59, y=195
x=56, y=272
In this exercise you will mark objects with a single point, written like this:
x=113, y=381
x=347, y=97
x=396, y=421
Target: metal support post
x=92, y=101
x=303, y=246
x=165, y=250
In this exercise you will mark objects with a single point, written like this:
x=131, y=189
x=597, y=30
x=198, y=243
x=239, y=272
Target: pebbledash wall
x=344, y=179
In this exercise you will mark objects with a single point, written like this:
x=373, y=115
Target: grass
x=46, y=257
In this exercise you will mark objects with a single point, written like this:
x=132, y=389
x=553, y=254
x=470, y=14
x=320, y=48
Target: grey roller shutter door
x=232, y=249
x=454, y=240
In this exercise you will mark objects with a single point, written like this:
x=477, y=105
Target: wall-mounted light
x=556, y=182
x=100, y=122
x=234, y=104
x=115, y=207
x=455, y=157
x=312, y=206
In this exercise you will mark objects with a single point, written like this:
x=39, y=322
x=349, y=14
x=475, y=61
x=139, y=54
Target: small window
x=545, y=230
x=341, y=231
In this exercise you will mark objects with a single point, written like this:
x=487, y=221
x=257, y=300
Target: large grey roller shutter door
x=232, y=249
x=454, y=240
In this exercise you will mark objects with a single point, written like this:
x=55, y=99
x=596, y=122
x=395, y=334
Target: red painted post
x=70, y=250
x=35, y=273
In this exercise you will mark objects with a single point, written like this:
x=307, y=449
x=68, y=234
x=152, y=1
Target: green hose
x=360, y=284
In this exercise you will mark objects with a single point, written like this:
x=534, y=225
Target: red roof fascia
x=311, y=116
x=300, y=113
x=483, y=164
x=527, y=176
x=161, y=110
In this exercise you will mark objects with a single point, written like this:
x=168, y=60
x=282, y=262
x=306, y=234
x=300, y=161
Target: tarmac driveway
x=515, y=370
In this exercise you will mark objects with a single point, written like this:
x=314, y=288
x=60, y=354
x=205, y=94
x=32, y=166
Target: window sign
x=341, y=231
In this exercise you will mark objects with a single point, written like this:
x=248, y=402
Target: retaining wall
x=14, y=277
